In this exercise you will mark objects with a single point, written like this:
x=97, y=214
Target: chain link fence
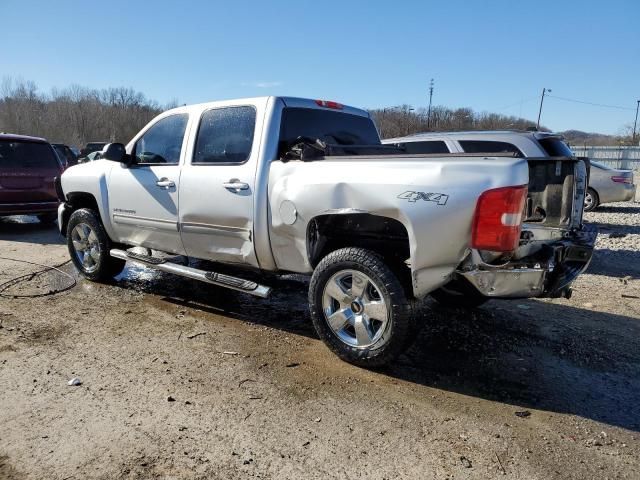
x=614, y=157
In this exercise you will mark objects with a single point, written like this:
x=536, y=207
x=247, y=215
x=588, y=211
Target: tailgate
x=557, y=186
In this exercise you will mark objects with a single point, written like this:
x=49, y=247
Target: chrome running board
x=219, y=279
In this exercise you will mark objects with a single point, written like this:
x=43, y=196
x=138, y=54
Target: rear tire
x=458, y=293
x=591, y=200
x=89, y=246
x=360, y=309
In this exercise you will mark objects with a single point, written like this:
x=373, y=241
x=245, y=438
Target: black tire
x=459, y=293
x=395, y=336
x=591, y=206
x=100, y=266
x=47, y=218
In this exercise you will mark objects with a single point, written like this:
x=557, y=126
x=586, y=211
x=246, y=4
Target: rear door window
x=29, y=155
x=225, y=135
x=488, y=146
x=432, y=146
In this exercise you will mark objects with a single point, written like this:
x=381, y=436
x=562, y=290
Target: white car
x=608, y=185
x=605, y=184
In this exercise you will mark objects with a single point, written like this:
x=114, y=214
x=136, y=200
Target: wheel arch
x=386, y=236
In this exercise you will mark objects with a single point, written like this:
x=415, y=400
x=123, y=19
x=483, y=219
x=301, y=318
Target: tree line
x=404, y=120
x=76, y=115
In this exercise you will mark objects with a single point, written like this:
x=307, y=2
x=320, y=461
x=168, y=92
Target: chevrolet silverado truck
x=289, y=185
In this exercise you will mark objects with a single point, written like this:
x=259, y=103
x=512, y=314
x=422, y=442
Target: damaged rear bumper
x=547, y=274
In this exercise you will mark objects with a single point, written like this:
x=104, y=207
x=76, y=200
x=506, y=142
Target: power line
x=589, y=103
x=515, y=104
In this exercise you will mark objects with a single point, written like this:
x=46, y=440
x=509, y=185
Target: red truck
x=28, y=169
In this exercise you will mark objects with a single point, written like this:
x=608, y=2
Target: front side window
x=484, y=146
x=161, y=144
x=225, y=135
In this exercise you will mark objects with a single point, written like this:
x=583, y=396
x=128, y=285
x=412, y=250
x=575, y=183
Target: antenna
x=430, y=99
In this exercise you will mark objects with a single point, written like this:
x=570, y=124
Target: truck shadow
x=552, y=357
x=615, y=263
x=616, y=229
x=29, y=230
x=530, y=354
x=630, y=208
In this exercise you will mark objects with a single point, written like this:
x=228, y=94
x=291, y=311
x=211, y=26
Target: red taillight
x=498, y=219
x=330, y=104
x=621, y=179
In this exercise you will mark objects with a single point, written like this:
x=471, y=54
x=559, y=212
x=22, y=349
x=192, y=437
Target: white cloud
x=262, y=84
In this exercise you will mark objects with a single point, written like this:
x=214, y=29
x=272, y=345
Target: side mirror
x=116, y=153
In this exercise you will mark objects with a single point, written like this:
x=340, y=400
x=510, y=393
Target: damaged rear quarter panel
x=407, y=189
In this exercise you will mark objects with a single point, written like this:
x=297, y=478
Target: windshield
x=18, y=154
x=332, y=127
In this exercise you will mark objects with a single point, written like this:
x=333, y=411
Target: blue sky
x=488, y=55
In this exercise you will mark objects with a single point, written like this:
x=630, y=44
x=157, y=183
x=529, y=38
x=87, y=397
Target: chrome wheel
x=588, y=201
x=86, y=246
x=355, y=309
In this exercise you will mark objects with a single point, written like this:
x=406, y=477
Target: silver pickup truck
x=279, y=184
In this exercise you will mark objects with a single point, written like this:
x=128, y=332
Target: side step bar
x=219, y=279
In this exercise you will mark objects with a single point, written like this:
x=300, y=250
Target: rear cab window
x=328, y=126
x=487, y=146
x=17, y=154
x=555, y=147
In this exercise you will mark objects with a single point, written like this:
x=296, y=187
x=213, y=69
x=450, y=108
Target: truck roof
x=295, y=102
x=481, y=133
x=21, y=138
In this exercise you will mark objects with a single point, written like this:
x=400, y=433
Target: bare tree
x=74, y=115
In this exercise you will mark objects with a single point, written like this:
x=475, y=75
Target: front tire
x=360, y=309
x=591, y=200
x=89, y=246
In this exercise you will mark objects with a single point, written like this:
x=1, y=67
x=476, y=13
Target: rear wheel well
x=75, y=201
x=386, y=236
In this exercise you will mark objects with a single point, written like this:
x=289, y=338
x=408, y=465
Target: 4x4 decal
x=439, y=198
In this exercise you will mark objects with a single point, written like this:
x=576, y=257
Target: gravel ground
x=180, y=380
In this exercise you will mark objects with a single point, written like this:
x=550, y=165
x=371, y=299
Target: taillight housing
x=621, y=179
x=498, y=219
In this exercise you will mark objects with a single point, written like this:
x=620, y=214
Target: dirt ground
x=181, y=380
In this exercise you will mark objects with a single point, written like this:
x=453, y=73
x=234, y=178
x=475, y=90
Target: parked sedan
x=28, y=167
x=608, y=185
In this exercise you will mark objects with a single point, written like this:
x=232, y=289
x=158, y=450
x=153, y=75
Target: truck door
x=143, y=198
x=217, y=186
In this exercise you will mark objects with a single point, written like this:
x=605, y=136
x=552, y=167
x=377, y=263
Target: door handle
x=165, y=183
x=235, y=184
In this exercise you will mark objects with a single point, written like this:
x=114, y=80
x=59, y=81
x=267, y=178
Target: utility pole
x=635, y=124
x=430, y=99
x=544, y=90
